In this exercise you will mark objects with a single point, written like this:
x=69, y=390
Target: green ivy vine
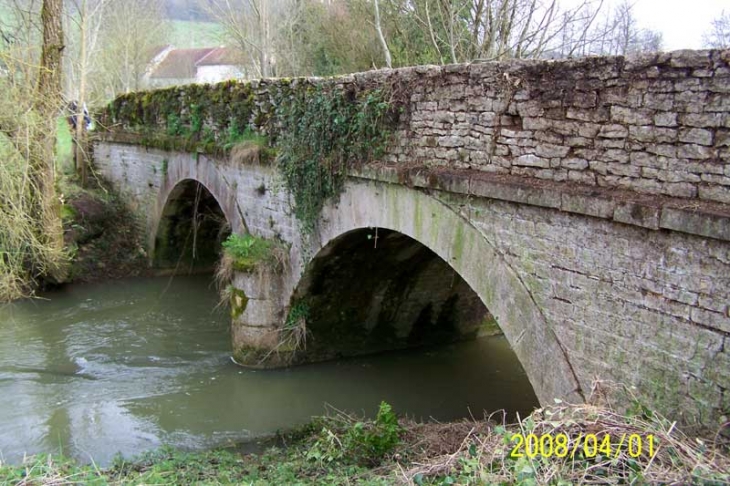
x=315, y=131
x=323, y=132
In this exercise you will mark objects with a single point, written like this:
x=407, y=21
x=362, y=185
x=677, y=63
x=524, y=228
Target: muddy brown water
x=128, y=366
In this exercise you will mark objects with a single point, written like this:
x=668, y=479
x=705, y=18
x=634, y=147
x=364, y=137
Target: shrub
x=366, y=443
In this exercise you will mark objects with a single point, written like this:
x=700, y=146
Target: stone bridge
x=583, y=205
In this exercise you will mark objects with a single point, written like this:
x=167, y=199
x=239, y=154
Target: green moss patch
x=489, y=327
x=250, y=355
x=248, y=253
x=315, y=131
x=239, y=302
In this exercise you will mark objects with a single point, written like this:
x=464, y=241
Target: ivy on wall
x=323, y=133
x=315, y=130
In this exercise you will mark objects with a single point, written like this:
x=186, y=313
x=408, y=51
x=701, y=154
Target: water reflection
x=130, y=365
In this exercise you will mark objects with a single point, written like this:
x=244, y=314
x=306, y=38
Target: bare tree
x=249, y=24
x=381, y=36
x=615, y=32
x=718, y=36
x=132, y=32
x=87, y=18
x=499, y=29
x=288, y=39
x=21, y=34
x=21, y=22
x=48, y=102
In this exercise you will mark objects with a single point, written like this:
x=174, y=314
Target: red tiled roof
x=155, y=51
x=180, y=63
x=221, y=56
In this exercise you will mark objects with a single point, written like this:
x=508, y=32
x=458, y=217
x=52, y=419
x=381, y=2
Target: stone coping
x=691, y=216
x=654, y=212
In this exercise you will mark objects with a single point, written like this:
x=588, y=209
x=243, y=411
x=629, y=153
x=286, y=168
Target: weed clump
x=344, y=439
x=248, y=253
x=31, y=238
x=293, y=335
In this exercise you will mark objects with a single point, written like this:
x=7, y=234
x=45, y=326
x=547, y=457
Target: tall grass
x=64, y=147
x=29, y=219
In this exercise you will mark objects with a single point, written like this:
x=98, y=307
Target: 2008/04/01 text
x=589, y=445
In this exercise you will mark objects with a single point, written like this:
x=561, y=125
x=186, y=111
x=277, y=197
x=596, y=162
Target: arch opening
x=375, y=289
x=191, y=231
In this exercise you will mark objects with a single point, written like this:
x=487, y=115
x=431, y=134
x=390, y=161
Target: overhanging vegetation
x=314, y=130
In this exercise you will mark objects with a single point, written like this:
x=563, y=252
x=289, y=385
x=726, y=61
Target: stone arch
x=468, y=251
x=375, y=289
x=203, y=170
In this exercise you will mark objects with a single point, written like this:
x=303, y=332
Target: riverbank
x=602, y=447
x=96, y=238
x=103, y=237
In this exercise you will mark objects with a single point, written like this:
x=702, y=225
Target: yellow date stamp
x=588, y=445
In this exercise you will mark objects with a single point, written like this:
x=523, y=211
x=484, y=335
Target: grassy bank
x=340, y=449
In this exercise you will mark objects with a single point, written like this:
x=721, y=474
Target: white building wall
x=215, y=74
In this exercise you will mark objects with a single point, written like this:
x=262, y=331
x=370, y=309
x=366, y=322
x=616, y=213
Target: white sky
x=682, y=22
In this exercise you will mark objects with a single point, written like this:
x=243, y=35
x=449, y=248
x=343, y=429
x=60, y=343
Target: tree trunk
x=48, y=102
x=264, y=39
x=381, y=36
x=49, y=80
x=80, y=148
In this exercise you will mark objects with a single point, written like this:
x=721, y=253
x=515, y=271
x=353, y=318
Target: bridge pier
x=258, y=320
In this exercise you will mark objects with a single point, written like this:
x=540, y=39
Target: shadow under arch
x=200, y=169
x=467, y=250
x=190, y=230
x=374, y=289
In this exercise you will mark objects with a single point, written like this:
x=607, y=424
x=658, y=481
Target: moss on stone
x=263, y=358
x=489, y=327
x=250, y=355
x=239, y=302
x=315, y=131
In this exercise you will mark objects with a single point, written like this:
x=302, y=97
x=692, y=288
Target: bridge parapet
x=657, y=124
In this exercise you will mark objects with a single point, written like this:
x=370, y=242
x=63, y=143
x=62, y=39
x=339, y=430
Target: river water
x=127, y=366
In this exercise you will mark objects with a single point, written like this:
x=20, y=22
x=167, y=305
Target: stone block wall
x=630, y=305
x=657, y=124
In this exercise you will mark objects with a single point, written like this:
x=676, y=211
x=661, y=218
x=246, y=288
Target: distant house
x=172, y=66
